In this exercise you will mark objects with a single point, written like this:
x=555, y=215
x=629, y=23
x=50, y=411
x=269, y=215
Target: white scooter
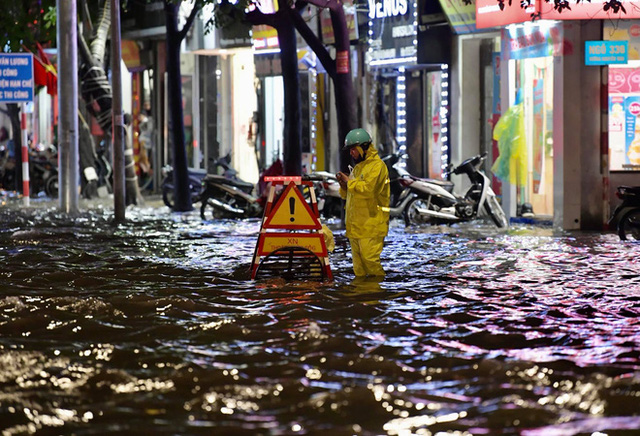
x=435, y=202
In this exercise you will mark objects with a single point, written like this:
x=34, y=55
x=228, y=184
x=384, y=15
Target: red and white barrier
x=25, y=156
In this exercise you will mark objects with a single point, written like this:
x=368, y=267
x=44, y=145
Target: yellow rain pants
x=367, y=213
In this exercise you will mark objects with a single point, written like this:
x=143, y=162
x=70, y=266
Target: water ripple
x=154, y=326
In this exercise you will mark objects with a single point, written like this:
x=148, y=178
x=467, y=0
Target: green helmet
x=357, y=137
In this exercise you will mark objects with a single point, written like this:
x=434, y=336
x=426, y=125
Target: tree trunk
x=344, y=93
x=339, y=69
x=182, y=194
x=292, y=146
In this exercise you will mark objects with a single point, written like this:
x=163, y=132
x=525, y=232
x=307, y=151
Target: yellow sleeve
x=365, y=185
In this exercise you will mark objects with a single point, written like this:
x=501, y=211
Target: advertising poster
x=534, y=42
x=461, y=16
x=435, y=127
x=617, y=121
x=538, y=133
x=624, y=30
x=624, y=126
x=631, y=157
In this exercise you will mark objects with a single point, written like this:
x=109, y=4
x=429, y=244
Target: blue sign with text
x=606, y=52
x=16, y=77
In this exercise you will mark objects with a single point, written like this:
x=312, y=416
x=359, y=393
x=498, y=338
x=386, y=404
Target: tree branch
x=315, y=44
x=192, y=16
x=257, y=18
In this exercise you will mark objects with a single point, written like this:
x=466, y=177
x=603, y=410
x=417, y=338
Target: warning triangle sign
x=292, y=212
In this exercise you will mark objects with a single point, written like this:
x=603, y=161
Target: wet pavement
x=154, y=326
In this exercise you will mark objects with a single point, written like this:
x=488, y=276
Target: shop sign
x=605, y=52
x=461, y=16
x=264, y=37
x=533, y=41
x=130, y=53
x=624, y=30
x=591, y=10
x=489, y=14
x=16, y=77
x=392, y=32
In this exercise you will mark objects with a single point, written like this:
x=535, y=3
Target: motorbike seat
x=446, y=184
x=245, y=186
x=632, y=189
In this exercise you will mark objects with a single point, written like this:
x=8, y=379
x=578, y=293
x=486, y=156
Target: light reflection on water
x=153, y=326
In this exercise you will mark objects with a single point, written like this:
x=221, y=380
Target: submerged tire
x=494, y=210
x=51, y=187
x=167, y=195
x=629, y=225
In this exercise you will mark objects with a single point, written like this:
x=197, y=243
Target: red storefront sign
x=488, y=13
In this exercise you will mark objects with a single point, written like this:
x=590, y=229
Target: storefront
x=530, y=49
x=408, y=59
x=552, y=94
x=624, y=107
x=474, y=90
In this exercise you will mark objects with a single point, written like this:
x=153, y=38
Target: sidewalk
x=14, y=201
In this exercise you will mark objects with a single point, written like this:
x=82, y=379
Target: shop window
x=624, y=125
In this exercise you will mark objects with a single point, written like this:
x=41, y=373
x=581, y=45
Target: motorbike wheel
x=51, y=187
x=167, y=195
x=411, y=215
x=629, y=225
x=168, y=192
x=494, y=210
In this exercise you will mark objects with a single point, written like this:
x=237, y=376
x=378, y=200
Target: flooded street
x=154, y=327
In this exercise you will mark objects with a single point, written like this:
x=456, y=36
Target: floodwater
x=154, y=327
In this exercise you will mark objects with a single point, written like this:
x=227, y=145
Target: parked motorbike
x=627, y=214
x=43, y=170
x=227, y=196
x=168, y=187
x=400, y=194
x=7, y=169
x=327, y=190
x=435, y=202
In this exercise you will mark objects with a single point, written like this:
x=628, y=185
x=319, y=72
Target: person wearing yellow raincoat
x=366, y=190
x=511, y=163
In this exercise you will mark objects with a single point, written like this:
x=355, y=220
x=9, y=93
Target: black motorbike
x=168, y=186
x=225, y=195
x=43, y=171
x=627, y=213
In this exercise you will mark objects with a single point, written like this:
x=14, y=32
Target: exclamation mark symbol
x=292, y=208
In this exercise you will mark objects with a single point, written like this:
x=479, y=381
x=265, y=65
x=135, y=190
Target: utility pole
x=117, y=136
x=68, y=105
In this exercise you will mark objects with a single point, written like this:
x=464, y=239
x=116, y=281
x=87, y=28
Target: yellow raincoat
x=367, y=213
x=511, y=163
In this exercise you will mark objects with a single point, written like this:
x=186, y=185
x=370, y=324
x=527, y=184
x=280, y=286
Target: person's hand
x=342, y=179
